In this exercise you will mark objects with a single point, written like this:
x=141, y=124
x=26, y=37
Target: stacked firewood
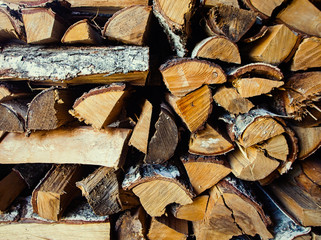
x=160, y=120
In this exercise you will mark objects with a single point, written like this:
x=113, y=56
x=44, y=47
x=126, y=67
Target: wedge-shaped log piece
x=49, y=109
x=303, y=16
x=129, y=25
x=168, y=228
x=81, y=145
x=42, y=25
x=266, y=8
x=79, y=222
x=205, y=171
x=232, y=101
x=209, y=141
x=276, y=147
x=184, y=75
x=275, y=46
x=82, y=32
x=104, y=194
x=307, y=54
x=191, y=212
x=100, y=106
x=75, y=65
x=158, y=186
x=49, y=199
x=194, y=108
x=229, y=21
x=10, y=90
x=11, y=26
x=217, y=47
x=212, y=3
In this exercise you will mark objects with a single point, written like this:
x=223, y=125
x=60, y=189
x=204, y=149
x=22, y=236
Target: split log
x=104, y=194
x=75, y=65
x=49, y=109
x=265, y=8
x=49, y=199
x=275, y=46
x=158, y=186
x=217, y=47
x=82, y=32
x=100, y=106
x=205, y=171
x=79, y=222
x=9, y=90
x=129, y=25
x=307, y=54
x=194, y=108
x=11, y=26
x=229, y=21
x=212, y=3
x=80, y=145
x=42, y=25
x=168, y=228
x=184, y=75
x=298, y=15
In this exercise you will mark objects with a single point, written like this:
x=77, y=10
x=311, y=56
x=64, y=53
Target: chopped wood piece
x=11, y=26
x=79, y=222
x=56, y=191
x=49, y=109
x=192, y=212
x=298, y=15
x=80, y=145
x=194, y=108
x=312, y=168
x=217, y=47
x=205, y=171
x=229, y=21
x=264, y=7
x=75, y=65
x=209, y=141
x=140, y=135
x=275, y=46
x=9, y=91
x=213, y=3
x=276, y=147
x=82, y=32
x=104, y=194
x=168, y=228
x=42, y=25
x=100, y=106
x=232, y=101
x=129, y=25
x=158, y=186
x=184, y=75
x=307, y=54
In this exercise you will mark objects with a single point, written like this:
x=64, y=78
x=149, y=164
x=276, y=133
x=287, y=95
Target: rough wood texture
x=80, y=145
x=104, y=194
x=212, y=3
x=11, y=26
x=9, y=90
x=184, y=75
x=264, y=7
x=129, y=25
x=75, y=65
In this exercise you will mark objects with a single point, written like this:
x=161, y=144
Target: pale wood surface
x=7, y=29
x=265, y=7
x=212, y=3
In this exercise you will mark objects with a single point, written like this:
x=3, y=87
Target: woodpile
x=160, y=119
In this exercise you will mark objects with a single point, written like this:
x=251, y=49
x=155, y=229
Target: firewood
x=129, y=25
x=100, y=106
x=298, y=15
x=205, y=171
x=306, y=55
x=9, y=91
x=229, y=21
x=209, y=142
x=184, y=75
x=42, y=25
x=140, y=136
x=265, y=8
x=194, y=108
x=175, y=17
x=11, y=26
x=104, y=194
x=158, y=186
x=217, y=47
x=212, y=3
x=82, y=32
x=169, y=228
x=49, y=199
x=263, y=30
x=232, y=101
x=79, y=222
x=75, y=65
x=132, y=225
x=275, y=46
x=191, y=212
x=80, y=145
x=163, y=143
